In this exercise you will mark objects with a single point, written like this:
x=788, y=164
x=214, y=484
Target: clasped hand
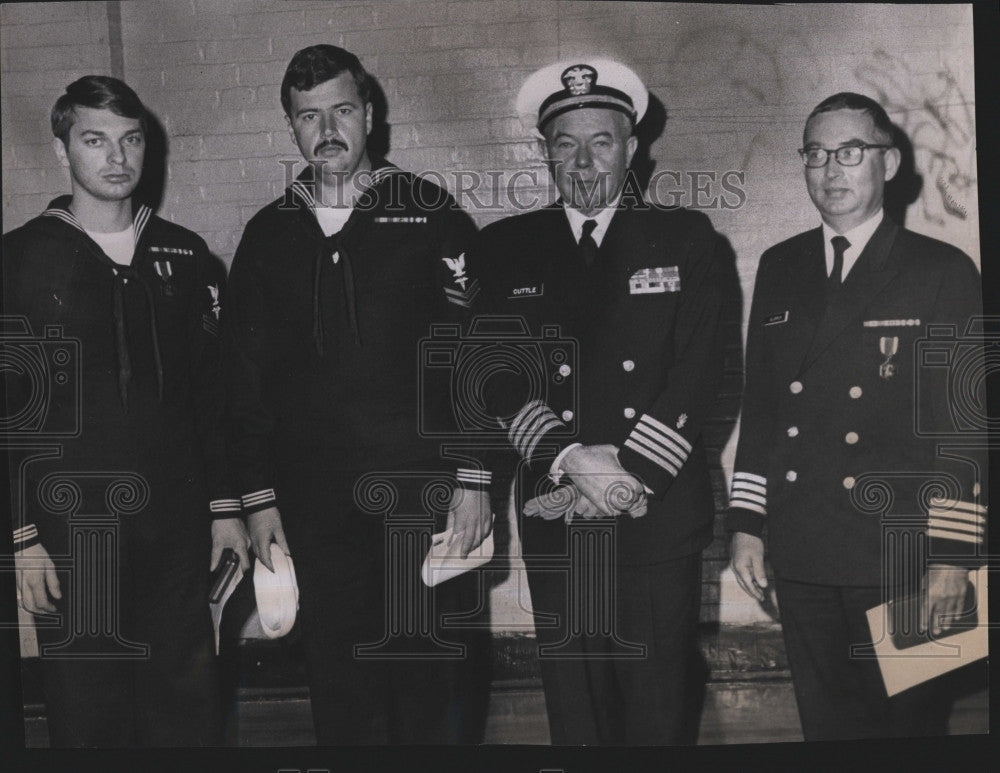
x=600, y=487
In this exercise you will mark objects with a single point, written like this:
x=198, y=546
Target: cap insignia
x=579, y=79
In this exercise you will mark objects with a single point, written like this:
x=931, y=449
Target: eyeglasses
x=848, y=155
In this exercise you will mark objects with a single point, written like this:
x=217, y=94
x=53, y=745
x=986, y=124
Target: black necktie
x=334, y=249
x=840, y=245
x=588, y=247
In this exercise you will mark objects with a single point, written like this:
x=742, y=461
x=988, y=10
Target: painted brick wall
x=42, y=48
x=735, y=83
x=731, y=86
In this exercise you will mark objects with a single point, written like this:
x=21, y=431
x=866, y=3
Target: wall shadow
x=379, y=141
x=648, y=131
x=153, y=182
x=904, y=189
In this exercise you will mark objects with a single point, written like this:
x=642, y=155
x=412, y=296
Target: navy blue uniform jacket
x=835, y=451
x=636, y=362
x=56, y=276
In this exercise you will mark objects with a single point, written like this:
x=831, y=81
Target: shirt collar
x=603, y=218
x=857, y=236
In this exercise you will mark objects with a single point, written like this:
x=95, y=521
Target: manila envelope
x=909, y=666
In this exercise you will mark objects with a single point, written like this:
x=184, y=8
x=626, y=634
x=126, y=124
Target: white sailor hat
x=277, y=594
x=574, y=84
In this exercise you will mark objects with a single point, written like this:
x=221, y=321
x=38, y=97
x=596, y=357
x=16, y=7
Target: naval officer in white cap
x=619, y=433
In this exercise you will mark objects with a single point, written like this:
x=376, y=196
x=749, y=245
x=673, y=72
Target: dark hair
x=318, y=64
x=848, y=100
x=99, y=92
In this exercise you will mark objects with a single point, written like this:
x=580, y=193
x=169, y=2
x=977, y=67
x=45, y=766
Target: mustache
x=331, y=143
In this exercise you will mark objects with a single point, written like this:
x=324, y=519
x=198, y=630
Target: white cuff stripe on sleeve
x=951, y=508
x=745, y=504
x=522, y=420
x=26, y=532
x=255, y=498
x=224, y=505
x=961, y=516
x=748, y=488
x=656, y=448
x=550, y=424
x=652, y=456
x=950, y=504
x=952, y=535
x=750, y=477
x=749, y=496
x=749, y=492
x=668, y=441
x=681, y=440
x=661, y=439
x=956, y=525
x=530, y=425
x=465, y=475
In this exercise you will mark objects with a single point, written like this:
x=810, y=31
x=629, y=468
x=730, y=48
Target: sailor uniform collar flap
x=877, y=265
x=302, y=194
x=59, y=209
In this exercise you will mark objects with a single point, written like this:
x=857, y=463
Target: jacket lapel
x=810, y=279
x=802, y=286
x=561, y=233
x=564, y=272
x=624, y=238
x=872, y=272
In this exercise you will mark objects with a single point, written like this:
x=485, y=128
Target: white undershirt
x=119, y=246
x=332, y=219
x=859, y=236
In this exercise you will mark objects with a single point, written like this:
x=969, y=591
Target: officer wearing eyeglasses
x=832, y=465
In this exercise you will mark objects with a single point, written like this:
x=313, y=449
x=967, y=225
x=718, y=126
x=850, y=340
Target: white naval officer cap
x=578, y=83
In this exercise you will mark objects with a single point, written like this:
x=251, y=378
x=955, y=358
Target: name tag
x=530, y=291
x=171, y=250
x=407, y=219
x=891, y=323
x=662, y=279
x=776, y=319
